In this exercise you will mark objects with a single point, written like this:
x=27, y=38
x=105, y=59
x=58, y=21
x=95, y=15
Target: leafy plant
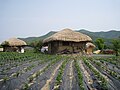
x=5, y=79
x=103, y=82
x=60, y=73
x=25, y=87
x=31, y=79
x=80, y=77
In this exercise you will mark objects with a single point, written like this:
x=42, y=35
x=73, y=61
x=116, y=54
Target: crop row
x=39, y=71
x=108, y=68
x=102, y=80
x=80, y=76
x=26, y=69
x=60, y=74
x=32, y=78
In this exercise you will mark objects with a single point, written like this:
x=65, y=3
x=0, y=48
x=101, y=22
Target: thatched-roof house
x=67, y=41
x=89, y=48
x=14, y=44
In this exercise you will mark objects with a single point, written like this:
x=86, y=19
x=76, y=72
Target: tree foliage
x=116, y=45
x=0, y=46
x=37, y=45
x=100, y=43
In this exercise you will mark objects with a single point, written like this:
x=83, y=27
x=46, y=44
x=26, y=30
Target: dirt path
x=71, y=74
x=47, y=86
x=68, y=77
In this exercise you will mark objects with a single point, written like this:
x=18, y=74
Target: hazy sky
x=25, y=18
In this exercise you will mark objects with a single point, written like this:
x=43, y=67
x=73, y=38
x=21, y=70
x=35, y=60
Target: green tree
x=116, y=45
x=0, y=46
x=37, y=45
x=100, y=43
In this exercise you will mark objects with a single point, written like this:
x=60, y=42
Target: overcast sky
x=26, y=18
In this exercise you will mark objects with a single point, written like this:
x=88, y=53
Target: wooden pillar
x=72, y=45
x=49, y=47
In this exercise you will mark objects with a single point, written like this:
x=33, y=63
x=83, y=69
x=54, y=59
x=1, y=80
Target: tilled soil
x=15, y=83
x=69, y=81
x=113, y=83
x=46, y=78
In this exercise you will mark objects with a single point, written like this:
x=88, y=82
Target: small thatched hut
x=13, y=45
x=67, y=41
x=89, y=48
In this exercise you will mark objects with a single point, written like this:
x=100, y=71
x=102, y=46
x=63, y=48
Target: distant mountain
x=31, y=39
x=108, y=35
x=94, y=35
x=47, y=35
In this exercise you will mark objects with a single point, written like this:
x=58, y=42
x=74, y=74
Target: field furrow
x=35, y=71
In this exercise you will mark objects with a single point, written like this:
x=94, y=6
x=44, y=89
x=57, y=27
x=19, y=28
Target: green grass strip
x=80, y=76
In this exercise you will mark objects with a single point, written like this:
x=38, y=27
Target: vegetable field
x=35, y=71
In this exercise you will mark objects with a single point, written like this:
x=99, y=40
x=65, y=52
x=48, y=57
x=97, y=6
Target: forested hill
x=31, y=39
x=106, y=35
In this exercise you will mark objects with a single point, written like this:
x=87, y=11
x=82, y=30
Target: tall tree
x=100, y=43
x=116, y=45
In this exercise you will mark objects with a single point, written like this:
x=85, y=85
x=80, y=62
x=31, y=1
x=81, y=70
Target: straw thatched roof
x=14, y=42
x=89, y=44
x=68, y=35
